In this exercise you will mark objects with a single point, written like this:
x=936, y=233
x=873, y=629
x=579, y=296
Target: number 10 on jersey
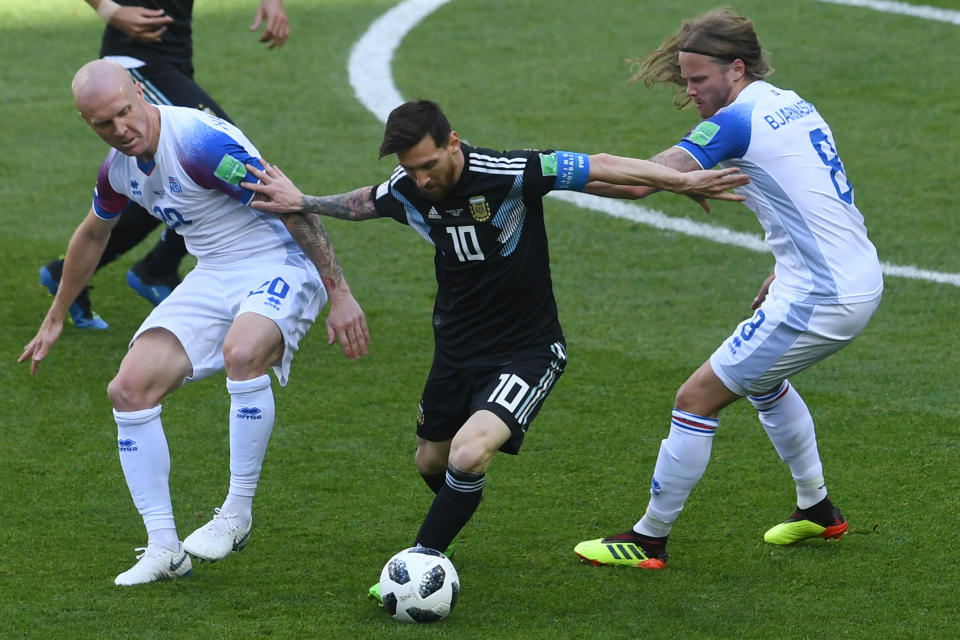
x=465, y=243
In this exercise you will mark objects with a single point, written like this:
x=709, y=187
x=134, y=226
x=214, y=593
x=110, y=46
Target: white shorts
x=784, y=337
x=201, y=309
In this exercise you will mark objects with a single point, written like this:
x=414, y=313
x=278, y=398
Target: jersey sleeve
x=386, y=202
x=217, y=160
x=558, y=170
x=107, y=203
x=723, y=136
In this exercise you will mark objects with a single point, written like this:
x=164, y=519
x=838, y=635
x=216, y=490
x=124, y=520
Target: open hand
x=347, y=321
x=709, y=183
x=275, y=192
x=38, y=348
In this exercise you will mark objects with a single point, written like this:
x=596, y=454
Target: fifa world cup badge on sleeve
x=230, y=170
x=703, y=133
x=548, y=164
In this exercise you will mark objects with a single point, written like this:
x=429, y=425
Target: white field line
x=902, y=8
x=372, y=81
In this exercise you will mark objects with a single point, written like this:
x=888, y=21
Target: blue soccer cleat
x=154, y=290
x=82, y=316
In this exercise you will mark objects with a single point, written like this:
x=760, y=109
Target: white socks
x=252, y=414
x=145, y=457
x=789, y=425
x=145, y=460
x=683, y=459
x=686, y=451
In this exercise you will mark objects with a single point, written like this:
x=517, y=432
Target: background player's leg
x=134, y=225
x=158, y=273
x=681, y=462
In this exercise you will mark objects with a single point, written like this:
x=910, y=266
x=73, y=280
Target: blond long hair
x=720, y=33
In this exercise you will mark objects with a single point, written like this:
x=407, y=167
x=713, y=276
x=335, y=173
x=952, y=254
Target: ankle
x=822, y=513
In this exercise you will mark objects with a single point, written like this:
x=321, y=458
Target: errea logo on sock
x=127, y=444
x=249, y=413
x=655, y=487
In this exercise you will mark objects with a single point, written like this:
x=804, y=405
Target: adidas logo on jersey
x=433, y=214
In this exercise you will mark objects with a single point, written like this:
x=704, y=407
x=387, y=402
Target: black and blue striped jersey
x=494, y=291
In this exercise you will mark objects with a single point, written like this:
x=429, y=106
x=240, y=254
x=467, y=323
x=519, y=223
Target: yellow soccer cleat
x=798, y=528
x=624, y=549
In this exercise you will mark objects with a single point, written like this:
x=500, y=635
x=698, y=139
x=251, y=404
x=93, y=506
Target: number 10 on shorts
x=510, y=392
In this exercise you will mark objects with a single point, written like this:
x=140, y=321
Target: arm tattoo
x=353, y=205
x=309, y=233
x=676, y=158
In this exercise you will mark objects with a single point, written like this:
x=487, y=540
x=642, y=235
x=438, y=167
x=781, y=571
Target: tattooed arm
x=312, y=237
x=276, y=194
x=352, y=205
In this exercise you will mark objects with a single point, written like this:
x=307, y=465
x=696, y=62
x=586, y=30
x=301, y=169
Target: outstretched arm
x=676, y=158
x=83, y=253
x=699, y=184
x=277, y=194
x=672, y=170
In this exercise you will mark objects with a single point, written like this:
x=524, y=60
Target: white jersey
x=799, y=191
x=192, y=185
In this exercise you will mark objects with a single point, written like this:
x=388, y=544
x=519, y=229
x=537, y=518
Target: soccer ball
x=419, y=585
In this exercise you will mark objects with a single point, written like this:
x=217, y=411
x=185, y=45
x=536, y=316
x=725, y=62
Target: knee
x=471, y=455
x=127, y=393
x=429, y=461
x=242, y=360
x=703, y=399
x=686, y=398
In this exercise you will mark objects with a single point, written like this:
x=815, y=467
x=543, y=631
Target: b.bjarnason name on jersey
x=788, y=114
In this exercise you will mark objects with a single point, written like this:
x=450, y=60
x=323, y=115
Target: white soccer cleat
x=218, y=538
x=155, y=563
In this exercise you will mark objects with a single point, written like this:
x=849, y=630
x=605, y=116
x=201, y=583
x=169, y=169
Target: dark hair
x=410, y=122
x=721, y=34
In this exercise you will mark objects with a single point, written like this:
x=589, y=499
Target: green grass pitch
x=641, y=309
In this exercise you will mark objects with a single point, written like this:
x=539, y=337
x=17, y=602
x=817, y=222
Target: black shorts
x=167, y=83
x=514, y=392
